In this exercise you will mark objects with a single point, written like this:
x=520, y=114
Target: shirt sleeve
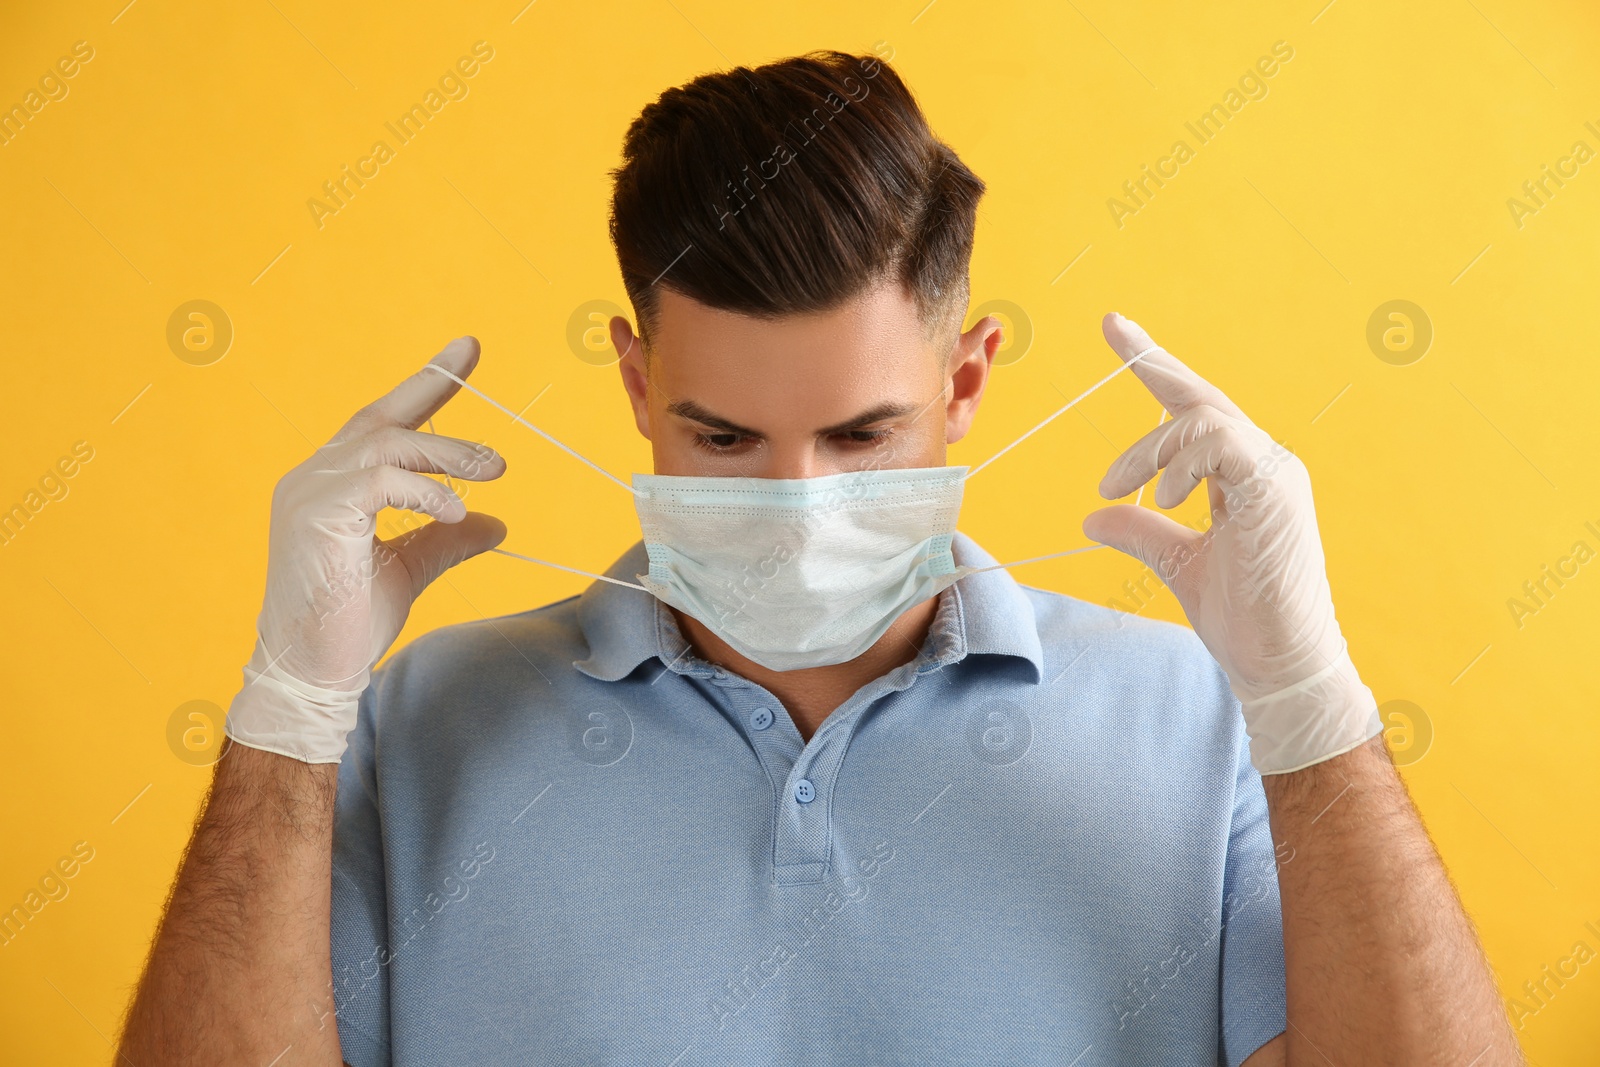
x=1254, y=1001
x=360, y=903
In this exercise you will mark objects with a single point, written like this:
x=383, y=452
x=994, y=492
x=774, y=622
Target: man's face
x=801, y=396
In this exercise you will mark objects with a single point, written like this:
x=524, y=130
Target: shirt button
x=804, y=791
x=761, y=718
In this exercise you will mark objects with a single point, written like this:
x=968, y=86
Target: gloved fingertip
x=1108, y=480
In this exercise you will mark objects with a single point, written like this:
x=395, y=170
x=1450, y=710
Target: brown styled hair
x=791, y=187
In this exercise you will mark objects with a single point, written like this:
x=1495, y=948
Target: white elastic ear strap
x=574, y=453
x=1063, y=409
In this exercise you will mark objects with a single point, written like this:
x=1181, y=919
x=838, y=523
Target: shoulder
x=494, y=654
x=1148, y=695
x=1067, y=621
x=487, y=693
x=1164, y=664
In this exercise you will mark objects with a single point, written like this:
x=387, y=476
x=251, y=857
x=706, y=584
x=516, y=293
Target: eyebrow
x=689, y=409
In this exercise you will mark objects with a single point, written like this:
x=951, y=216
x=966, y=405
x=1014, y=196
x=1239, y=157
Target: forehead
x=811, y=366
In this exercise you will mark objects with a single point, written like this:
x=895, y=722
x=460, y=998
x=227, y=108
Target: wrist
x=1325, y=715
x=277, y=712
x=1311, y=789
x=265, y=789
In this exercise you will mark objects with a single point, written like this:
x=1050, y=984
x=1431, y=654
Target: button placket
x=770, y=732
x=803, y=774
x=802, y=849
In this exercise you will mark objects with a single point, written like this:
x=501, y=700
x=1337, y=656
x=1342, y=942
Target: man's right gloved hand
x=337, y=596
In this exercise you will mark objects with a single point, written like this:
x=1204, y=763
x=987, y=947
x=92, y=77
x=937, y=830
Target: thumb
x=1149, y=537
x=434, y=548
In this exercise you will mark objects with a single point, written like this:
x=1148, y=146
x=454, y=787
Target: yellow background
x=1378, y=167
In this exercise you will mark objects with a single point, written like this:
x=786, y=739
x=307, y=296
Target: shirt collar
x=986, y=613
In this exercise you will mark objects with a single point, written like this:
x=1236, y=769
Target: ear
x=635, y=379
x=966, y=373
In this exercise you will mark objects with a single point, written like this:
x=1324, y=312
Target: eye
x=718, y=442
x=866, y=437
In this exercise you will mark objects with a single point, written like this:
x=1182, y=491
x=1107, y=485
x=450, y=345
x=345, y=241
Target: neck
x=811, y=694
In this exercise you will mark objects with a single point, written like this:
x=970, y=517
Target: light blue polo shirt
x=564, y=838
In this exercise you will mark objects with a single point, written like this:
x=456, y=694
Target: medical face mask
x=800, y=572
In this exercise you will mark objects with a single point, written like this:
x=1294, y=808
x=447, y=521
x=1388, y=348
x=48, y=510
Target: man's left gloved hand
x=1254, y=586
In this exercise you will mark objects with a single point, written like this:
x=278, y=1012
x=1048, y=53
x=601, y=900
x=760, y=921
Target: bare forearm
x=240, y=969
x=1382, y=963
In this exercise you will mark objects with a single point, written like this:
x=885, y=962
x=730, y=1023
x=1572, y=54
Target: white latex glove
x=337, y=596
x=1254, y=586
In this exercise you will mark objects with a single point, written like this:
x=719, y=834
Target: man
x=827, y=785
